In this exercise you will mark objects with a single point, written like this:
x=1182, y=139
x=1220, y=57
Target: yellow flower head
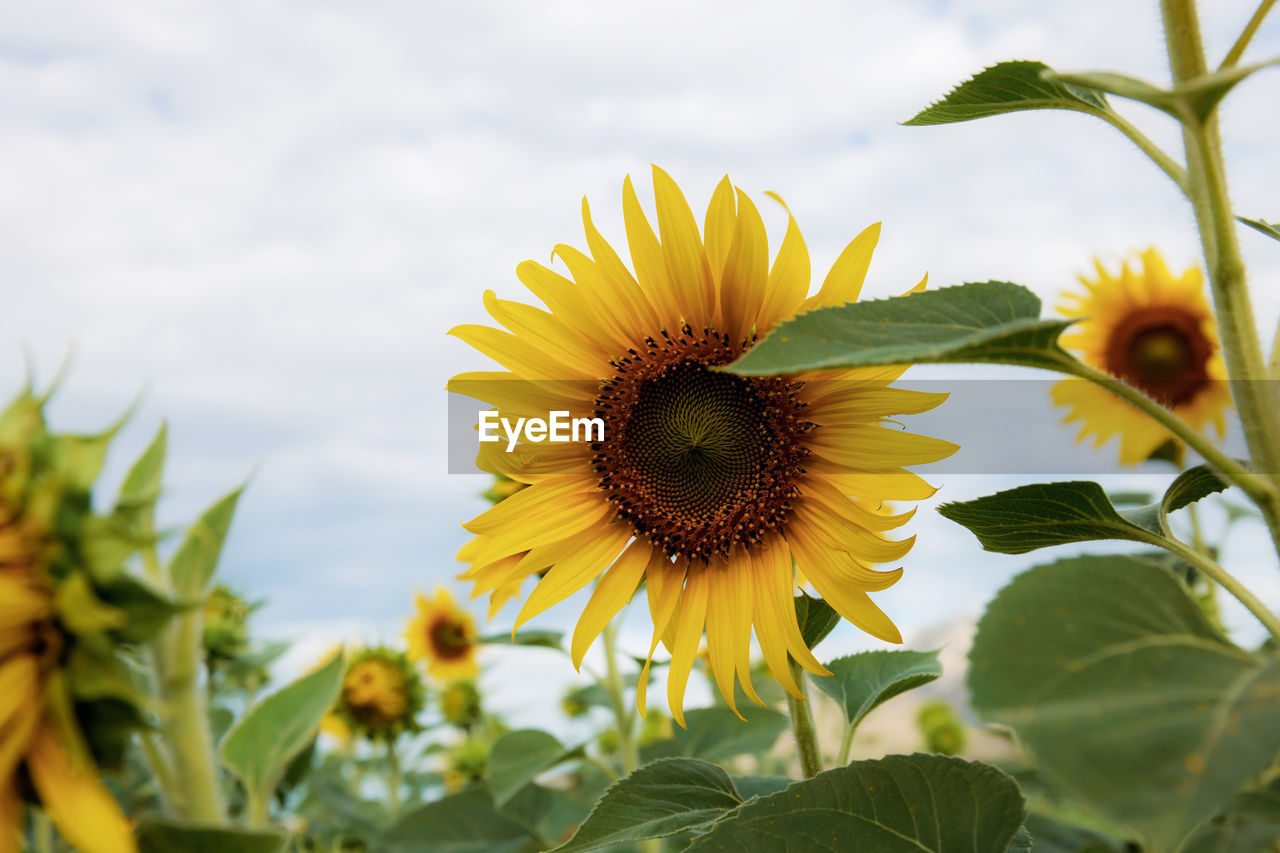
x=706, y=485
x=50, y=544
x=460, y=704
x=444, y=635
x=1155, y=332
x=381, y=696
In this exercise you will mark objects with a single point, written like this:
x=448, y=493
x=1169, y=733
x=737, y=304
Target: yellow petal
x=519, y=356
x=570, y=575
x=788, y=279
x=689, y=619
x=844, y=282
x=688, y=270
x=615, y=589
x=774, y=614
x=718, y=226
x=646, y=256
x=721, y=630
x=10, y=817
x=663, y=583
x=80, y=807
x=746, y=272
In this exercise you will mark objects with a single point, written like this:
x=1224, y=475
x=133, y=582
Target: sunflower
x=706, y=485
x=48, y=607
x=381, y=696
x=460, y=704
x=444, y=635
x=1155, y=332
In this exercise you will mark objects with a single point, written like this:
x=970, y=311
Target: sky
x=265, y=217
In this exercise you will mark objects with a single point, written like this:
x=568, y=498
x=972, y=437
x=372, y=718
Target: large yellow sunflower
x=1156, y=332
x=706, y=485
x=444, y=635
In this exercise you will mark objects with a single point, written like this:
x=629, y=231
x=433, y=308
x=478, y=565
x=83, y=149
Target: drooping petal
x=615, y=589
x=689, y=621
x=80, y=807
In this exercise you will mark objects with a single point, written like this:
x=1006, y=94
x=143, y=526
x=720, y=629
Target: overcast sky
x=268, y=215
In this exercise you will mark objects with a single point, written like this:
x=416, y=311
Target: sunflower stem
x=1171, y=167
x=846, y=745
x=1237, y=49
x=185, y=722
x=621, y=711
x=42, y=832
x=806, y=734
x=1260, y=489
x=1225, y=579
x=1253, y=391
x=393, y=776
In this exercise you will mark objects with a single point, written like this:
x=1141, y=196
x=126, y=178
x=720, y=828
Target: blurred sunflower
x=707, y=485
x=1156, y=332
x=444, y=635
x=380, y=699
x=56, y=634
x=460, y=704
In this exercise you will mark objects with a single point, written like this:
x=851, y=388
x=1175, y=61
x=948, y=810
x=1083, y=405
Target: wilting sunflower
x=444, y=635
x=706, y=485
x=1156, y=332
x=57, y=634
x=381, y=696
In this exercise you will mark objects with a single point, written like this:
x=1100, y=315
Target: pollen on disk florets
x=698, y=460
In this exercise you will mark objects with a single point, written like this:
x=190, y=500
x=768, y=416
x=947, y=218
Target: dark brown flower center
x=697, y=460
x=1163, y=352
x=449, y=639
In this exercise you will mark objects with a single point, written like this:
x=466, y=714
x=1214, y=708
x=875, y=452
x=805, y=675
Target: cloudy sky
x=267, y=215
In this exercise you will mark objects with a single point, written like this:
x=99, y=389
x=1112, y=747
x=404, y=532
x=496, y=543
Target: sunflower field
x=689, y=425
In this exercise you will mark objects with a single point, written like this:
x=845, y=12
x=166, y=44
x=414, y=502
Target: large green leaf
x=716, y=734
x=1054, y=836
x=260, y=746
x=899, y=803
x=661, y=799
x=991, y=321
x=1010, y=87
x=861, y=682
x=466, y=822
x=163, y=836
x=1114, y=678
x=1040, y=515
x=517, y=757
x=193, y=565
x=1250, y=824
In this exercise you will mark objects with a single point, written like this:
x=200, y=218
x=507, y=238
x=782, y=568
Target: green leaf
x=260, y=746
x=816, y=618
x=1248, y=824
x=1271, y=229
x=1203, y=94
x=164, y=836
x=517, y=757
x=465, y=822
x=193, y=565
x=899, y=803
x=1082, y=657
x=1041, y=515
x=1054, y=836
x=538, y=638
x=141, y=485
x=992, y=321
x=760, y=786
x=661, y=799
x=715, y=734
x=1010, y=87
x=148, y=610
x=861, y=682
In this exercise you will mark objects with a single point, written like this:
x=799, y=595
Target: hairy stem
x=1237, y=49
x=802, y=726
x=1254, y=395
x=1226, y=580
x=1175, y=170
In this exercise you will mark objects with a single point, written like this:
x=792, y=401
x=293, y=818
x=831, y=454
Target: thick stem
x=622, y=713
x=185, y=725
x=1254, y=394
x=802, y=726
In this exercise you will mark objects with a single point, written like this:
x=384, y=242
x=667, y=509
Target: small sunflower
x=381, y=696
x=460, y=704
x=1156, y=332
x=708, y=488
x=444, y=635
